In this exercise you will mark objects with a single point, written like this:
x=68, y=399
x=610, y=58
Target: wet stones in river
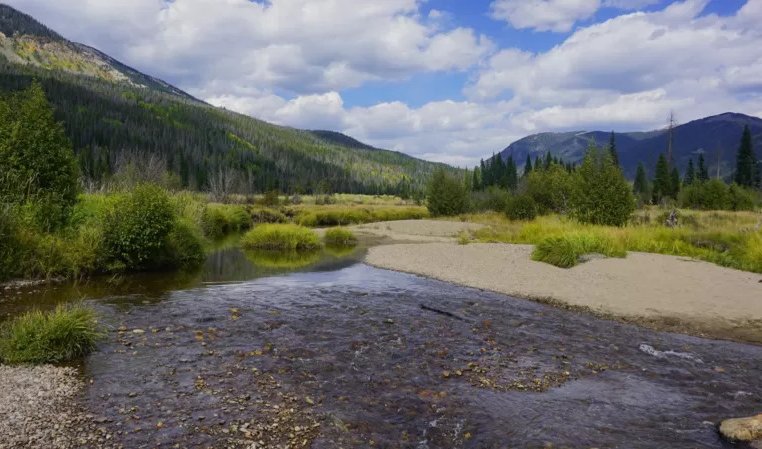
x=742, y=429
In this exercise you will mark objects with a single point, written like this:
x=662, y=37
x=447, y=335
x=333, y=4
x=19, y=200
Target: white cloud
x=544, y=15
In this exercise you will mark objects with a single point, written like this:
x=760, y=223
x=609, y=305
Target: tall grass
x=63, y=334
x=731, y=239
x=339, y=237
x=280, y=237
x=567, y=250
x=323, y=216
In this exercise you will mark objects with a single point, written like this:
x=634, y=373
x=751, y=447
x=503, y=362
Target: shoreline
x=663, y=293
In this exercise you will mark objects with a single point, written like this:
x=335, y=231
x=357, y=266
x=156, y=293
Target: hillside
x=114, y=113
x=713, y=136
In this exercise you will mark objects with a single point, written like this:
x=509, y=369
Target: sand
x=670, y=292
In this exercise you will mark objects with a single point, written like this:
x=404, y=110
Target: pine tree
x=674, y=183
x=528, y=166
x=662, y=184
x=548, y=160
x=537, y=163
x=477, y=181
x=612, y=149
x=640, y=187
x=511, y=174
x=690, y=173
x=746, y=162
x=702, y=173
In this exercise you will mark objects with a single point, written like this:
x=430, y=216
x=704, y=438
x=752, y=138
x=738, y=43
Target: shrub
x=565, y=251
x=268, y=216
x=551, y=189
x=521, y=207
x=185, y=247
x=601, y=195
x=493, y=198
x=280, y=237
x=740, y=198
x=339, y=237
x=709, y=195
x=446, y=194
x=271, y=198
x=53, y=337
x=219, y=220
x=137, y=227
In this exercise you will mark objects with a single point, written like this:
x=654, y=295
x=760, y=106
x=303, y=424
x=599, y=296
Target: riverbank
x=663, y=292
x=40, y=409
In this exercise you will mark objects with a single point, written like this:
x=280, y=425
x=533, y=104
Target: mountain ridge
x=713, y=136
x=111, y=111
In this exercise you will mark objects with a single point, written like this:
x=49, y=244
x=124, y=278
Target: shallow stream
x=256, y=352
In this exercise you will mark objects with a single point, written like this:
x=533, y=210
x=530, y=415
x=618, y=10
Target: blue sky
x=446, y=80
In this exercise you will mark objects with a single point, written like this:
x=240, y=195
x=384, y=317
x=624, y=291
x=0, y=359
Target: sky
x=444, y=80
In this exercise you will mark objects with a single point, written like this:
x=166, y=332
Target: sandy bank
x=669, y=292
x=417, y=230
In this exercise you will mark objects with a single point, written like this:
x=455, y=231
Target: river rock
x=742, y=429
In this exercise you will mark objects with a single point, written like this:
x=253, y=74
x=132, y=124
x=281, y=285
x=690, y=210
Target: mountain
x=114, y=113
x=717, y=137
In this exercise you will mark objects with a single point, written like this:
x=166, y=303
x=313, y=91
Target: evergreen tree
x=528, y=166
x=746, y=162
x=446, y=194
x=602, y=195
x=537, y=163
x=511, y=174
x=548, y=160
x=477, y=179
x=690, y=173
x=612, y=149
x=662, y=184
x=702, y=173
x=640, y=186
x=674, y=183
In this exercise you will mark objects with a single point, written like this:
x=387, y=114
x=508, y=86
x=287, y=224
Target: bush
x=339, y=237
x=741, y=198
x=446, y=194
x=521, y=207
x=551, y=189
x=493, y=198
x=219, y=220
x=565, y=251
x=601, y=195
x=709, y=195
x=53, y=337
x=280, y=237
x=185, y=247
x=137, y=227
x=268, y=216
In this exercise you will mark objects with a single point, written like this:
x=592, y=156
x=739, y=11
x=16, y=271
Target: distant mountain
x=717, y=137
x=110, y=109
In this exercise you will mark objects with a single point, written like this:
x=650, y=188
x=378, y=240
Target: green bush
x=219, y=220
x=268, y=216
x=709, y=195
x=493, y=198
x=551, y=189
x=565, y=251
x=136, y=229
x=280, y=237
x=185, y=247
x=601, y=195
x=741, y=198
x=53, y=337
x=446, y=194
x=339, y=237
x=521, y=207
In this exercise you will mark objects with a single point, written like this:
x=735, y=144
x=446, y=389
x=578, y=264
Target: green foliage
x=446, y=195
x=742, y=199
x=184, y=247
x=602, y=195
x=551, y=188
x=565, y=251
x=343, y=215
x=339, y=237
x=280, y=237
x=640, y=187
x=282, y=259
x=492, y=198
x=268, y=216
x=37, y=164
x=747, y=169
x=58, y=336
x=219, y=220
x=662, y=183
x=709, y=195
x=137, y=227
x=521, y=207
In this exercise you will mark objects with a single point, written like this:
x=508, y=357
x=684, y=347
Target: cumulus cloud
x=544, y=15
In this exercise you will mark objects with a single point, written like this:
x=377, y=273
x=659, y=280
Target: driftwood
x=442, y=312
x=671, y=220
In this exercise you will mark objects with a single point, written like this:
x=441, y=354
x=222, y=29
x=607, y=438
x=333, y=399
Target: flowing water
x=257, y=351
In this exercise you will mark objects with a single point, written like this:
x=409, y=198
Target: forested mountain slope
x=716, y=137
x=114, y=113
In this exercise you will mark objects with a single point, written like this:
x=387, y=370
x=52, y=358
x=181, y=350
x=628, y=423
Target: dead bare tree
x=222, y=182
x=137, y=167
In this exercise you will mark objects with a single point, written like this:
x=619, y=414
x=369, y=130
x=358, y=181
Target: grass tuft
x=281, y=237
x=339, y=237
x=565, y=251
x=61, y=335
